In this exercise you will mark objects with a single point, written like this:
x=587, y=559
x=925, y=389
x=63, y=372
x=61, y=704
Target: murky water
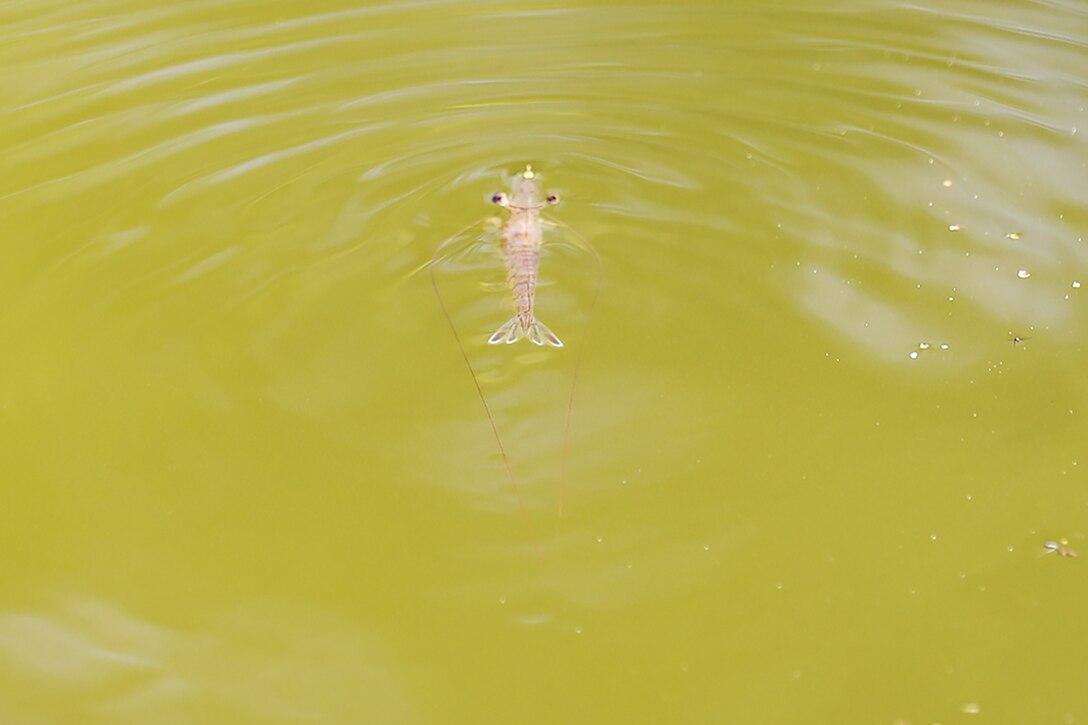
x=831, y=399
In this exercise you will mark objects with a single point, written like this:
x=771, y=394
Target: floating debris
x=946, y=183
x=1076, y=285
x=1016, y=339
x=1012, y=235
x=923, y=346
x=954, y=227
x=1023, y=274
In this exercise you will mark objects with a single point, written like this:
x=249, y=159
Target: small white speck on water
x=951, y=298
x=577, y=630
x=779, y=586
x=1009, y=548
x=923, y=346
x=600, y=539
x=913, y=355
x=1023, y=274
x=932, y=537
x=969, y=497
x=946, y=183
x=1076, y=285
x=972, y=708
x=944, y=345
x=502, y=600
x=706, y=547
x=954, y=227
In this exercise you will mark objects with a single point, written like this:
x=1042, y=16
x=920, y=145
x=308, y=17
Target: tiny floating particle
x=923, y=346
x=1023, y=274
x=1012, y=235
x=946, y=183
x=1076, y=285
x=972, y=708
x=913, y=355
x=954, y=227
x=944, y=345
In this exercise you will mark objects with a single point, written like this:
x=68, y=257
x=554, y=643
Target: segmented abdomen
x=522, y=261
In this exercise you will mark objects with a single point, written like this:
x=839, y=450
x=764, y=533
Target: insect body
x=522, y=237
x=1061, y=546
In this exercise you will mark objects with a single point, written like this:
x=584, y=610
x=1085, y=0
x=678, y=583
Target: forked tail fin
x=520, y=326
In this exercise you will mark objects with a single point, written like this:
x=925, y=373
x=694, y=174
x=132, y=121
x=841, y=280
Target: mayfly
x=521, y=240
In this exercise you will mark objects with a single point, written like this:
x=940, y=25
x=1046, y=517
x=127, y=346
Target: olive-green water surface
x=831, y=401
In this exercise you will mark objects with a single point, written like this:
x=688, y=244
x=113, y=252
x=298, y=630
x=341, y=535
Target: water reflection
x=827, y=233
x=270, y=662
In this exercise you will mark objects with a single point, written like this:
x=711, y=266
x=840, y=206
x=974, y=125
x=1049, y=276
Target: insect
x=1016, y=340
x=1061, y=546
x=459, y=266
x=522, y=237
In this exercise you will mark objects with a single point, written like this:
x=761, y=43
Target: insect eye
x=498, y=198
x=553, y=198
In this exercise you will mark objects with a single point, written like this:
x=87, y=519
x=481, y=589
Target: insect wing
x=569, y=282
x=468, y=277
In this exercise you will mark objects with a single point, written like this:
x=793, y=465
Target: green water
x=247, y=477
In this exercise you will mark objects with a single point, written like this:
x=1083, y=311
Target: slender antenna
x=578, y=362
x=483, y=398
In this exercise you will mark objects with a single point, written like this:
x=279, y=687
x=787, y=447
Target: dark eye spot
x=498, y=198
x=553, y=198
